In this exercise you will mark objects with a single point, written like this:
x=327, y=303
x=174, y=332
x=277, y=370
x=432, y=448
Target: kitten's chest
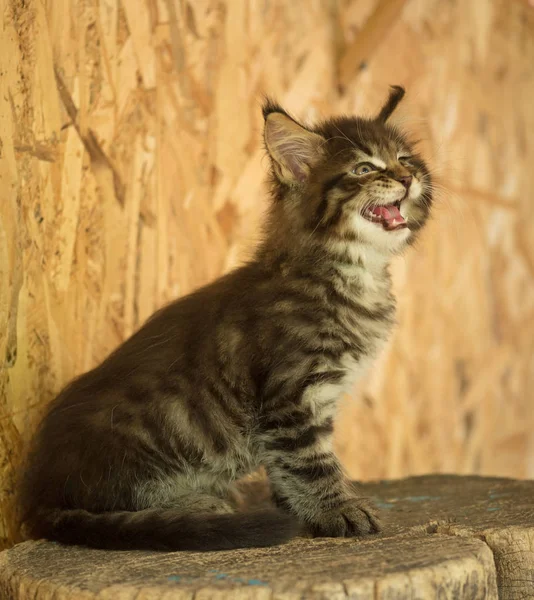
x=340, y=378
x=352, y=369
x=361, y=330
x=364, y=321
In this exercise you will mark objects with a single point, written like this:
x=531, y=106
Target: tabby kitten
x=142, y=451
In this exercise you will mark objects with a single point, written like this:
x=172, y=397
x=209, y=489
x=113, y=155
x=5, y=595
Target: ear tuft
x=292, y=148
x=396, y=94
x=271, y=106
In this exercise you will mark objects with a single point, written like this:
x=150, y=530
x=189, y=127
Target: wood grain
x=444, y=537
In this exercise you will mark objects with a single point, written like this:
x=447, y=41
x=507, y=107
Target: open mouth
x=387, y=215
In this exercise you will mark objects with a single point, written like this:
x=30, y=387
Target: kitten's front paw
x=356, y=517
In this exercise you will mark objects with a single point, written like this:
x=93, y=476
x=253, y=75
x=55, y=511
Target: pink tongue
x=389, y=214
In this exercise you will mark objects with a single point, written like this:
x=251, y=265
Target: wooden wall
x=131, y=171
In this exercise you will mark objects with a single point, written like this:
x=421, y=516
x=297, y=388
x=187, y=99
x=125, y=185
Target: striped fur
x=143, y=451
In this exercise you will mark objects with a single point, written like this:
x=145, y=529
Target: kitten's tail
x=164, y=529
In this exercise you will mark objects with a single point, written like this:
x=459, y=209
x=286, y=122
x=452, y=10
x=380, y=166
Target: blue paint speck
x=220, y=576
x=493, y=508
x=174, y=578
x=384, y=505
x=421, y=498
x=256, y=582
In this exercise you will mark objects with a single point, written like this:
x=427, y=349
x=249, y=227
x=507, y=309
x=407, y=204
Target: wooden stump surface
x=444, y=537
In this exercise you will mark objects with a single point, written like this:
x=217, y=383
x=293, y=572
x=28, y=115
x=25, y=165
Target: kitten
x=142, y=451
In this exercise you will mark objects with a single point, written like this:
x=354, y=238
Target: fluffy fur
x=143, y=451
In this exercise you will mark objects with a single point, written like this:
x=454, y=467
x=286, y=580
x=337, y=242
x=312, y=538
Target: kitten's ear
x=293, y=149
x=396, y=94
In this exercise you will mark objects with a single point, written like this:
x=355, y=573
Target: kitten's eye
x=405, y=160
x=363, y=169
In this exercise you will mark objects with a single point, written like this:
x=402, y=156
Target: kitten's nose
x=406, y=181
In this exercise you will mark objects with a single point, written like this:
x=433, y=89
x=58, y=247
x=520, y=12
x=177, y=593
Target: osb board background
x=132, y=171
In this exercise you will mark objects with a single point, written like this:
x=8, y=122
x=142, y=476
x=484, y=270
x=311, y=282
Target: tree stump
x=444, y=537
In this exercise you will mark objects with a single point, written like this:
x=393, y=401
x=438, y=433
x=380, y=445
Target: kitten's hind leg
x=201, y=520
x=197, y=503
x=183, y=497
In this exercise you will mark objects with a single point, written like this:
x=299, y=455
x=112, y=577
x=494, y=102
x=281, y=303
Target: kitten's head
x=349, y=178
